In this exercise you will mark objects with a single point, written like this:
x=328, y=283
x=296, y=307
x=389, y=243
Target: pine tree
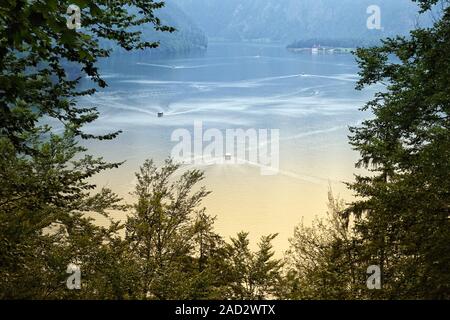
x=254, y=275
x=404, y=204
x=48, y=205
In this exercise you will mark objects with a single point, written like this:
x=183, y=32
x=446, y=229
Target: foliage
x=404, y=204
x=400, y=220
x=48, y=205
x=322, y=259
x=167, y=248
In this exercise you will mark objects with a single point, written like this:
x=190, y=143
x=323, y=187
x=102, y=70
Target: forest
x=167, y=247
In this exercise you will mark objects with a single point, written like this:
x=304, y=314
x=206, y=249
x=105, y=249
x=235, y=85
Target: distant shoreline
x=322, y=50
x=323, y=45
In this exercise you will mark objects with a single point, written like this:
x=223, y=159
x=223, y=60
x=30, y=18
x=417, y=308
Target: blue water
x=310, y=98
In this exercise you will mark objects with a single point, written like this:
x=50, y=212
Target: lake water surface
x=309, y=98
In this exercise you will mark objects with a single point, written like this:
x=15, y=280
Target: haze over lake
x=310, y=98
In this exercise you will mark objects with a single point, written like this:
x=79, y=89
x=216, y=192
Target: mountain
x=289, y=20
x=187, y=37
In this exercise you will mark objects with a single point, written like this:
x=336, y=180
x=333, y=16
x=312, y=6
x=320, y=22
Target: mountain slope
x=187, y=37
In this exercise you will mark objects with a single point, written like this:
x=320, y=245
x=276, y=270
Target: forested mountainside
x=187, y=37
x=291, y=20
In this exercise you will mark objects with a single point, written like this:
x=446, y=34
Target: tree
x=322, y=261
x=47, y=202
x=210, y=267
x=254, y=275
x=404, y=204
x=45, y=199
x=36, y=46
x=170, y=237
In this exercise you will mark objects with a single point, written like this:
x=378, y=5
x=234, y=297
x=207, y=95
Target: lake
x=310, y=98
